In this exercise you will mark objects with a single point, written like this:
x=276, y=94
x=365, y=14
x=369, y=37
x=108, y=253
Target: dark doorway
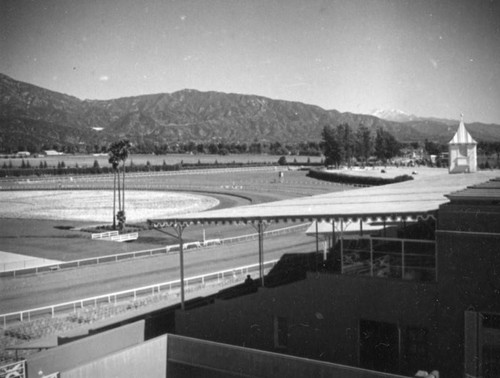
x=379, y=346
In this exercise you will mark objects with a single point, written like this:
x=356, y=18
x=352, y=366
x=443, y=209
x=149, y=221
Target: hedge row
x=355, y=180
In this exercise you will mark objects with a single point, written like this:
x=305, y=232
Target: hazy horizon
x=427, y=58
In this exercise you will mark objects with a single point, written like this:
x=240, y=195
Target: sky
x=431, y=58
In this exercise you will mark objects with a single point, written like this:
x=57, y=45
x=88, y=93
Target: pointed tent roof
x=462, y=136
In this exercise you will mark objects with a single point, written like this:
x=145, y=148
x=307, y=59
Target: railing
x=174, y=248
x=408, y=259
x=104, y=235
x=115, y=297
x=37, y=182
x=19, y=265
x=14, y=369
x=123, y=237
x=85, y=262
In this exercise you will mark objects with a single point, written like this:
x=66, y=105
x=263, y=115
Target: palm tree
x=118, y=152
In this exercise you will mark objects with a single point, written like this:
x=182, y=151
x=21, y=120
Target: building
x=421, y=294
x=52, y=153
x=462, y=151
x=435, y=305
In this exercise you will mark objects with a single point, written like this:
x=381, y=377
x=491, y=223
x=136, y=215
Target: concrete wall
x=469, y=271
x=144, y=360
x=196, y=358
x=82, y=351
x=323, y=315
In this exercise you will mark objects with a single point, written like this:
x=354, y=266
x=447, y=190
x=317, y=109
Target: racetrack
x=52, y=238
x=97, y=205
x=21, y=293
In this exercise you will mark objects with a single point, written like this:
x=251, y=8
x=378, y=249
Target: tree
x=118, y=153
x=433, y=148
x=347, y=143
x=364, y=143
x=213, y=148
x=96, y=168
x=332, y=149
x=282, y=161
x=386, y=146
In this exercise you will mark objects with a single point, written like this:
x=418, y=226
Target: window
x=462, y=150
x=491, y=345
x=379, y=346
x=280, y=332
x=416, y=348
x=482, y=344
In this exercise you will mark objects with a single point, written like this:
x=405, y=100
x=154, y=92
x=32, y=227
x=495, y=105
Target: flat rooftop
x=409, y=200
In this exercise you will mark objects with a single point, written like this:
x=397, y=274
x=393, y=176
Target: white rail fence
x=104, y=235
x=123, y=237
x=33, y=181
x=20, y=265
x=132, y=294
x=189, y=246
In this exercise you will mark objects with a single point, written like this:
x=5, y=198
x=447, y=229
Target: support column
x=260, y=227
x=179, y=229
x=403, y=259
x=371, y=257
x=342, y=246
x=317, y=237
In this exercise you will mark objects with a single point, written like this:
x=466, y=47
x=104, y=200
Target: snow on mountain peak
x=393, y=115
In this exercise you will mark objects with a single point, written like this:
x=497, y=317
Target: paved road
x=21, y=293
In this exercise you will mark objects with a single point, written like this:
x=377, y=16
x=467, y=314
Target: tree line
x=304, y=148
x=343, y=145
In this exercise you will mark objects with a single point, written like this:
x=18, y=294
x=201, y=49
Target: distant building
x=462, y=151
x=23, y=154
x=52, y=153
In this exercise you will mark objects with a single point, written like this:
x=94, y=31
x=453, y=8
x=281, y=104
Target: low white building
x=462, y=151
x=52, y=153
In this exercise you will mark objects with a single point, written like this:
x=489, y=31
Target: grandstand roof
x=410, y=200
x=483, y=192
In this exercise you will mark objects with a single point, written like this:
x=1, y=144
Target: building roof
x=410, y=200
x=483, y=192
x=462, y=136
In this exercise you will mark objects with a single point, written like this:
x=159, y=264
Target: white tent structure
x=462, y=151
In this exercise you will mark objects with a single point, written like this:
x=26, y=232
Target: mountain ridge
x=32, y=116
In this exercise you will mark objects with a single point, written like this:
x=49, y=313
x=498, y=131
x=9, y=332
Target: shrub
x=356, y=180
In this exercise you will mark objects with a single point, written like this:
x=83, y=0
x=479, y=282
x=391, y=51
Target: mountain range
x=31, y=117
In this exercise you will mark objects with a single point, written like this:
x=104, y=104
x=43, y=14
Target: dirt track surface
x=54, y=239
x=20, y=293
